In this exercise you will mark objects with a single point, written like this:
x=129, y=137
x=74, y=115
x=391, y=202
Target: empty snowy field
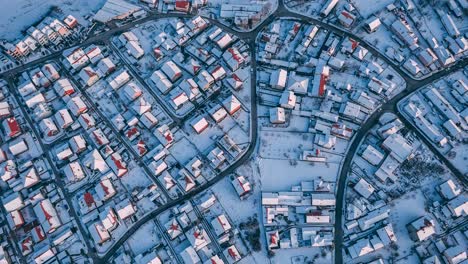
x=18, y=15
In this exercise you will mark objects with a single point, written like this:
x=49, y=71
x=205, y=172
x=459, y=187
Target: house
x=149, y=120
x=63, y=118
x=232, y=254
x=134, y=49
x=109, y=219
x=364, y=188
x=298, y=84
x=11, y=127
x=288, y=100
x=224, y=41
x=5, y=110
x=71, y=22
x=77, y=144
x=164, y=135
x=87, y=121
x=233, y=58
x=76, y=58
x=15, y=219
x=74, y=172
x=171, y=70
x=63, y=152
x=189, y=256
x=94, y=161
x=63, y=87
x=193, y=66
x=47, y=216
x=86, y=202
x=323, y=199
x=321, y=76
x=220, y=225
x=99, y=138
x=231, y=104
x=372, y=24
x=372, y=155
x=278, y=79
x=218, y=113
x=190, y=88
x=360, y=248
x=125, y=209
x=106, y=66
x=18, y=146
x=105, y=189
x=205, y=80
x=217, y=158
x=405, y=33
x=161, y=81
x=50, y=72
x=421, y=228
x=118, y=79
x=178, y=98
x=77, y=106
x=241, y=185
x=458, y=206
x=173, y=228
x=346, y=18
x=373, y=217
x=34, y=99
x=117, y=165
x=182, y=6
x=398, y=147
x=48, y=127
x=277, y=115
x=98, y=233
x=13, y=202
x=456, y=254
x=187, y=182
x=26, y=89
x=218, y=73
x=199, y=124
x=328, y=7
x=131, y=91
x=449, y=189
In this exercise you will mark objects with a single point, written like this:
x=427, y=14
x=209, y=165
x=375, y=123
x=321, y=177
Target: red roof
x=323, y=81
x=89, y=200
x=26, y=244
x=347, y=15
x=141, y=147
x=131, y=132
x=105, y=188
x=40, y=234
x=13, y=126
x=234, y=54
x=182, y=5
x=232, y=253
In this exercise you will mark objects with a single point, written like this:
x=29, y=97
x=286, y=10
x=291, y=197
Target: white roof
x=74, y=172
x=449, y=189
x=220, y=224
x=364, y=188
x=115, y=9
x=323, y=199
x=232, y=104
x=47, y=215
x=372, y=155
x=125, y=209
x=13, y=202
x=199, y=124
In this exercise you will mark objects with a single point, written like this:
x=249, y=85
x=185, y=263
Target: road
x=250, y=37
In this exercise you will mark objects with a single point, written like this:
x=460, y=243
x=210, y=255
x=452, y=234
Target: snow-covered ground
x=18, y=15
